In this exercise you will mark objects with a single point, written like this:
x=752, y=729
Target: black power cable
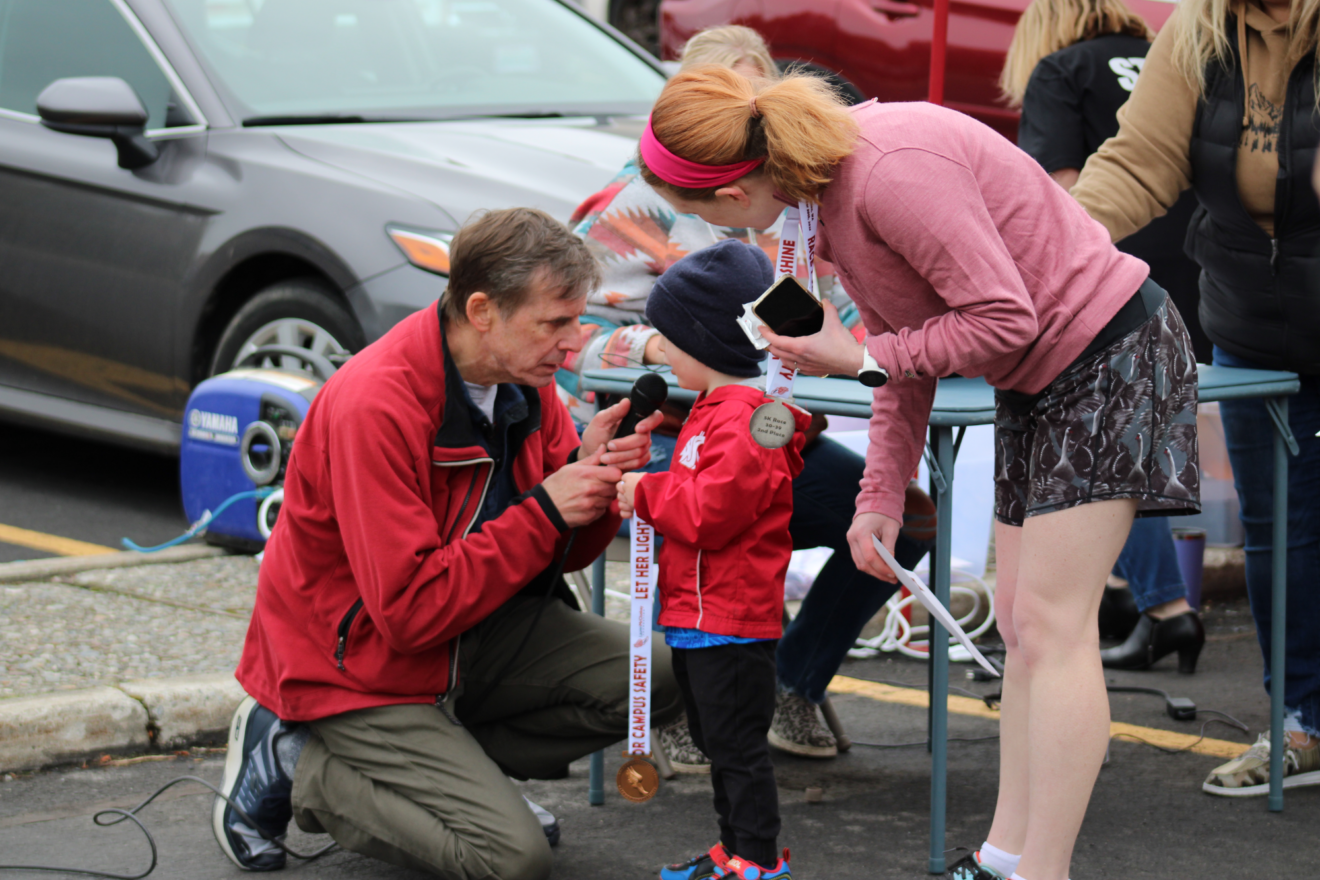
x=131, y=815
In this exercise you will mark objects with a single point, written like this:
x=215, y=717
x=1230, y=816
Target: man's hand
x=583, y=490
x=626, y=453
x=832, y=350
x=859, y=540
x=627, y=489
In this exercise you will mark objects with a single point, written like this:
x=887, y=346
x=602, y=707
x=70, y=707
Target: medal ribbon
x=798, y=222
x=643, y=597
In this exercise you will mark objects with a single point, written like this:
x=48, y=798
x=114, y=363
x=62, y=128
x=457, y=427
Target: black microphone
x=648, y=393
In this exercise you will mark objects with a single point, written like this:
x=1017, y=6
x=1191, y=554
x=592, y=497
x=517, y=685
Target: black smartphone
x=789, y=309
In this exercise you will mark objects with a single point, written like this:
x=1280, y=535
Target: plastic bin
x=1219, y=501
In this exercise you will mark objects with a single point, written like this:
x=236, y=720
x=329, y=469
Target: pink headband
x=677, y=171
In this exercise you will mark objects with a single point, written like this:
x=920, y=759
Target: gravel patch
x=59, y=637
x=106, y=626
x=226, y=583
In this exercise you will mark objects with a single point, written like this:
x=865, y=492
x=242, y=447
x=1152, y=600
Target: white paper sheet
x=932, y=604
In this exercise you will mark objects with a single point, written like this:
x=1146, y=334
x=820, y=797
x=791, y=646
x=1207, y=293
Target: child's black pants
x=730, y=695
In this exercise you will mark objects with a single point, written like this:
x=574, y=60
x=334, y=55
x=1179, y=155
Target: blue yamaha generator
x=238, y=431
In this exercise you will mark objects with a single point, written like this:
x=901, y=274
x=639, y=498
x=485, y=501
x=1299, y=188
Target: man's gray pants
x=406, y=785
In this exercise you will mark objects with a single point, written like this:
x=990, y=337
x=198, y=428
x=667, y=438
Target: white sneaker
x=1248, y=775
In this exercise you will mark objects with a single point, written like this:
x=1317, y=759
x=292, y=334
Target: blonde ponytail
x=714, y=116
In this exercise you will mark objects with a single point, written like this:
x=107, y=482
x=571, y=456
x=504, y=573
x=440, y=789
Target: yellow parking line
x=49, y=543
x=1216, y=748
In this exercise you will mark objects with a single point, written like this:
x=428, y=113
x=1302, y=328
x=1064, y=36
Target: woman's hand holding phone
x=833, y=350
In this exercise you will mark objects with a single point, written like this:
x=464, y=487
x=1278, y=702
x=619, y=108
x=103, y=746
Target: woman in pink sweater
x=964, y=257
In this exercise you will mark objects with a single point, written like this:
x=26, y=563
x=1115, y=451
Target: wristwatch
x=872, y=375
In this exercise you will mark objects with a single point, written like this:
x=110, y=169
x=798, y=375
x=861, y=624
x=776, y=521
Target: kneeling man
x=413, y=643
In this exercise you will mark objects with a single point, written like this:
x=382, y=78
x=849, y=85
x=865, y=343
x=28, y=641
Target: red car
x=882, y=46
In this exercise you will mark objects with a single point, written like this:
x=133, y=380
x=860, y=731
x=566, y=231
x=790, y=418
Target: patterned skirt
x=1119, y=424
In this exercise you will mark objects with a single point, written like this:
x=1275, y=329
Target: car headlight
x=427, y=250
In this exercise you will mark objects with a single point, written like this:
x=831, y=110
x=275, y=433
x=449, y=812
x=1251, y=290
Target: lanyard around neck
x=800, y=225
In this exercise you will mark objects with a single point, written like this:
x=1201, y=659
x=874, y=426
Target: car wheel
x=299, y=313
x=838, y=81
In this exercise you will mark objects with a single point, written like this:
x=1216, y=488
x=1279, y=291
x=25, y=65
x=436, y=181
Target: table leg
x=1279, y=605
x=596, y=784
x=942, y=441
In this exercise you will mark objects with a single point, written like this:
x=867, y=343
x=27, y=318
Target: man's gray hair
x=502, y=253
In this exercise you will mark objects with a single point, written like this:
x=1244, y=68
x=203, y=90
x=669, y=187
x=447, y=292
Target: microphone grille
x=652, y=385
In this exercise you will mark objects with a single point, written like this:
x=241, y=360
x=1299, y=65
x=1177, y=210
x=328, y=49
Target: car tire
x=300, y=312
x=837, y=81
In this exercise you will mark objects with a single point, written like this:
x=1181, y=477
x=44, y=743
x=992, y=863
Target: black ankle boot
x=1153, y=639
x=1118, y=613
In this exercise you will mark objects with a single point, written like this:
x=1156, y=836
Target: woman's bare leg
x=1063, y=560
x=1009, y=829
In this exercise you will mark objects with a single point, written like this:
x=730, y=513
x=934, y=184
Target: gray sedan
x=183, y=182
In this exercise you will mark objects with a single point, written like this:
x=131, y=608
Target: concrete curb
x=45, y=569
x=167, y=713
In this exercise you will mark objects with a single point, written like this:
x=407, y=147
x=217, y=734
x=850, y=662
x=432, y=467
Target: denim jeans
x=842, y=600
x=1149, y=563
x=1249, y=433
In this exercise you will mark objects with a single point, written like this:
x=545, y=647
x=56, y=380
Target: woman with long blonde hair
x=963, y=256
x=1050, y=25
x=1226, y=106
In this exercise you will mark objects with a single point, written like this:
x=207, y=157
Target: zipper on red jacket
x=490, y=472
x=341, y=646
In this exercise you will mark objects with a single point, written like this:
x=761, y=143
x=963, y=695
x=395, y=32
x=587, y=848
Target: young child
x=723, y=509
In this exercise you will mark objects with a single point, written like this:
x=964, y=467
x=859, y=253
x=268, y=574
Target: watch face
x=872, y=378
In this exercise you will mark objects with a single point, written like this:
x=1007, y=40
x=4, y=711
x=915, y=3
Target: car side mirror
x=100, y=106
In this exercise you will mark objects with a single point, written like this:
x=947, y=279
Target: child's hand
x=627, y=488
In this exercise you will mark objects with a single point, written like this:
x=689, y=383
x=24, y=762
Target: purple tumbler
x=1190, y=544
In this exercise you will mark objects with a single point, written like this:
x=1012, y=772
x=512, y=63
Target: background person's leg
x=406, y=785
x=564, y=695
x=1149, y=563
x=842, y=600
x=1249, y=434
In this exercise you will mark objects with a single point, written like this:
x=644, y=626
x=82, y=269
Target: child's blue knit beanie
x=696, y=304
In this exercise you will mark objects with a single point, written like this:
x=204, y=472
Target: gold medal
x=637, y=780
x=772, y=425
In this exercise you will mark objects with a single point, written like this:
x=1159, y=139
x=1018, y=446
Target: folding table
x=960, y=403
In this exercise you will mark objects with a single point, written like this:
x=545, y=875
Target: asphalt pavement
x=1148, y=818
x=83, y=492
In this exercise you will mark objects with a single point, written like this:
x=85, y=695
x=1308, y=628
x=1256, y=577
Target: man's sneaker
x=700, y=867
x=684, y=756
x=969, y=867
x=735, y=868
x=253, y=780
x=1248, y=774
x=797, y=728
x=549, y=824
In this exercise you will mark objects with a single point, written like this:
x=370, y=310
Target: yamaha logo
x=213, y=427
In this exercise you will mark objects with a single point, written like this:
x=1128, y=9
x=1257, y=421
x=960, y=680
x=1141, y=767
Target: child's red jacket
x=724, y=508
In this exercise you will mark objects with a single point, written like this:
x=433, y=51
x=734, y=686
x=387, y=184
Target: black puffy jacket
x=1258, y=297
